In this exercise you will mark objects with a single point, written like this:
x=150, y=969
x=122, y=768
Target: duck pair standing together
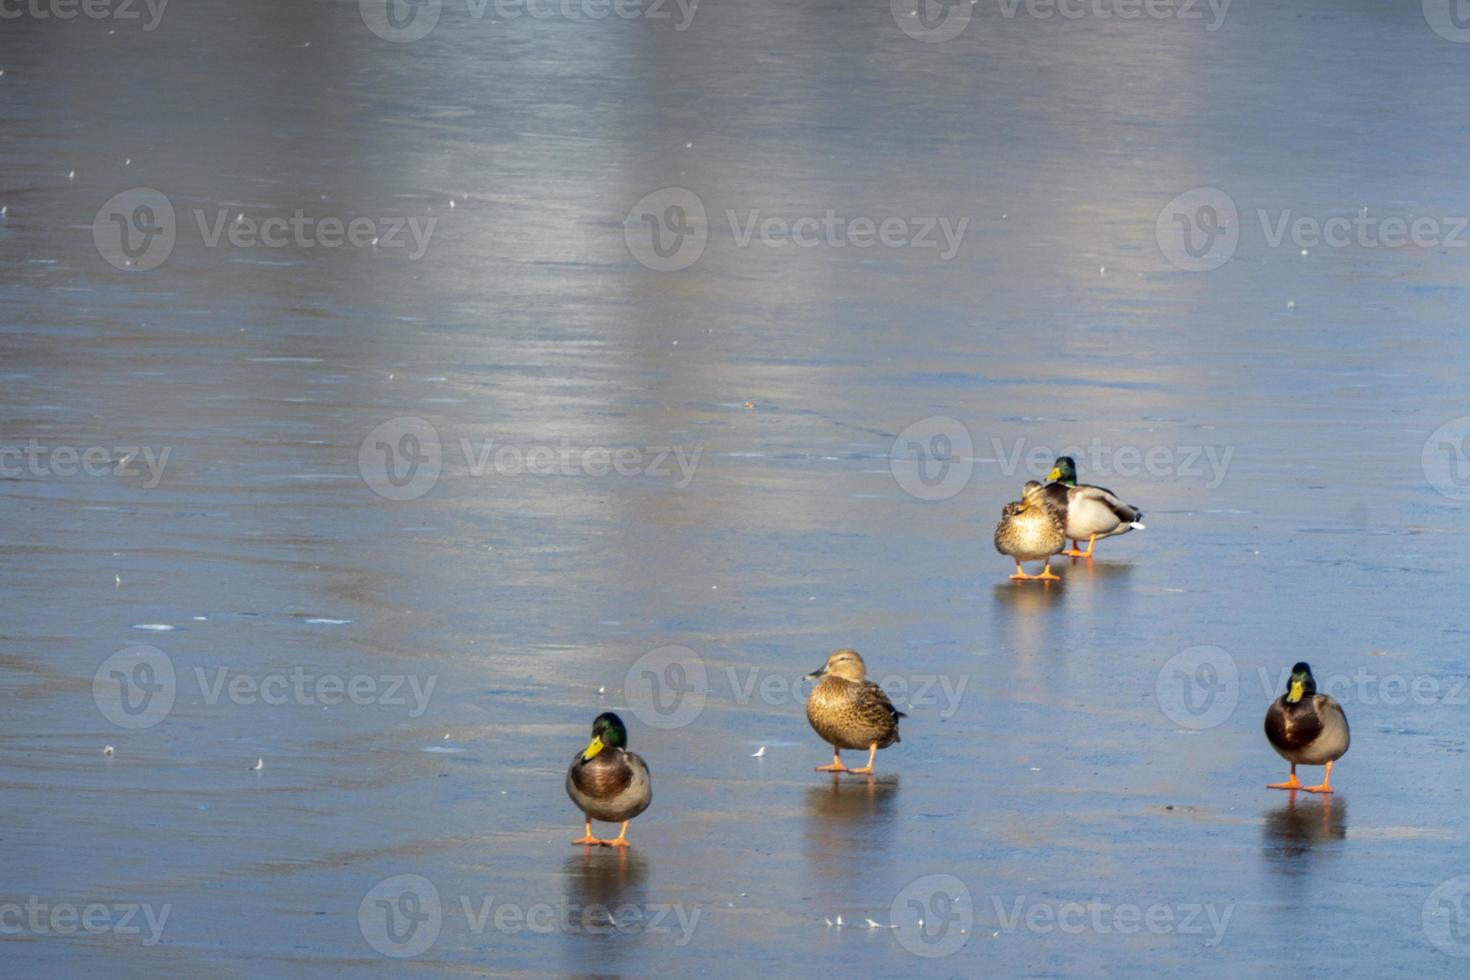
x=1038, y=525
x=611, y=784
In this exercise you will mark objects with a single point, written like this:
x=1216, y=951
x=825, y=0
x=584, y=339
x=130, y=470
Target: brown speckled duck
x=1030, y=529
x=849, y=711
x=607, y=782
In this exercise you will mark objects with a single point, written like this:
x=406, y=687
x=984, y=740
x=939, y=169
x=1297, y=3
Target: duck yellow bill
x=1055, y=474
x=593, y=747
x=1296, y=691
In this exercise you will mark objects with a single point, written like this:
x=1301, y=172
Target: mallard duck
x=607, y=782
x=849, y=711
x=1089, y=512
x=1030, y=529
x=1307, y=729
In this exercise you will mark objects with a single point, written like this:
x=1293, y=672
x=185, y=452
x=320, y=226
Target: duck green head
x=608, y=732
x=1301, y=685
x=1064, y=470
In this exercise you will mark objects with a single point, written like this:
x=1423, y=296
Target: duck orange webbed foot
x=587, y=837
x=836, y=765
x=1077, y=552
x=1325, y=786
x=866, y=770
x=1291, y=783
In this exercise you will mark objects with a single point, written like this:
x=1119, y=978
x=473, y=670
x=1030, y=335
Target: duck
x=1031, y=529
x=1307, y=729
x=1089, y=512
x=607, y=782
x=849, y=711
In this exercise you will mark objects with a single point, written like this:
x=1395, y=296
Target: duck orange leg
x=1292, y=783
x=587, y=837
x=619, y=841
x=836, y=765
x=1077, y=552
x=1325, y=786
x=1045, y=576
x=865, y=770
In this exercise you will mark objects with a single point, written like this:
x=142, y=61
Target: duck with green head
x=1087, y=511
x=1030, y=529
x=607, y=782
x=1307, y=729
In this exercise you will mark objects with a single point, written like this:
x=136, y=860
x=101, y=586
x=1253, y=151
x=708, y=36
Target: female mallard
x=1307, y=729
x=1030, y=529
x=607, y=782
x=1089, y=512
x=849, y=711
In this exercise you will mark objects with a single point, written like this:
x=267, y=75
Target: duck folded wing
x=1097, y=496
x=874, y=705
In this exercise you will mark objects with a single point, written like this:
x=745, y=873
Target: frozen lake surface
x=388, y=517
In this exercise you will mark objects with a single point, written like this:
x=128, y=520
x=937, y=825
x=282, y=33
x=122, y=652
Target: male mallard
x=1030, y=529
x=607, y=782
x=1089, y=512
x=1307, y=729
x=849, y=711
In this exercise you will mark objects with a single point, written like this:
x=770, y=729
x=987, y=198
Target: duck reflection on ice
x=848, y=811
x=1291, y=832
x=597, y=880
